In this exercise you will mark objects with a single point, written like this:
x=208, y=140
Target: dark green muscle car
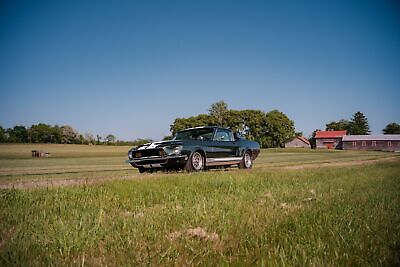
x=196, y=149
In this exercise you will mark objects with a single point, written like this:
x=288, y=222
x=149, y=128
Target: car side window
x=207, y=136
x=223, y=135
x=204, y=135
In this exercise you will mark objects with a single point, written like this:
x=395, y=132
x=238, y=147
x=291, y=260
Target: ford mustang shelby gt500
x=194, y=150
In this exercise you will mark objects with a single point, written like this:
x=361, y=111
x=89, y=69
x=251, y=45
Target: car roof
x=205, y=127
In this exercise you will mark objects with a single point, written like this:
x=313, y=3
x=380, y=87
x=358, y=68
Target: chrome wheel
x=197, y=161
x=247, y=160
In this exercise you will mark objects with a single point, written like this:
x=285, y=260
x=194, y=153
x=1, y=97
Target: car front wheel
x=247, y=161
x=195, y=162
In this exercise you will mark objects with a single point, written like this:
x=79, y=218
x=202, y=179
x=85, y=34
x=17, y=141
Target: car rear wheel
x=141, y=170
x=195, y=162
x=247, y=161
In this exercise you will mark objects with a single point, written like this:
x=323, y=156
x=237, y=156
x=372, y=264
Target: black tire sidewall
x=242, y=164
x=189, y=163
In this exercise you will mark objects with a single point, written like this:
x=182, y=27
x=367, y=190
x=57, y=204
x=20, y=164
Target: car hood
x=159, y=144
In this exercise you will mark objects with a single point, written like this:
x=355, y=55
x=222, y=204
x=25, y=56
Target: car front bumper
x=158, y=161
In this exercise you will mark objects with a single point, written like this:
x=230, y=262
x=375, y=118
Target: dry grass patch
x=198, y=232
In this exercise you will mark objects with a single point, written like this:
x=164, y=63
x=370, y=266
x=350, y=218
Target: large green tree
x=191, y=122
x=218, y=110
x=56, y=134
x=18, y=134
x=250, y=123
x=3, y=138
x=270, y=129
x=359, y=124
x=392, y=128
x=338, y=125
x=44, y=133
x=69, y=135
x=255, y=125
x=280, y=129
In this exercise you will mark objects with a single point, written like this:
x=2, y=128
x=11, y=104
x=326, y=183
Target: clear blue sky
x=131, y=67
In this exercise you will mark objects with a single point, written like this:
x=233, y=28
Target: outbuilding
x=298, y=141
x=329, y=139
x=381, y=142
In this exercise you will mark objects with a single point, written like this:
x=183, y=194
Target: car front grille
x=148, y=153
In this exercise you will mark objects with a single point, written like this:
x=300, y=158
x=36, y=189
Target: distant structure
x=381, y=142
x=329, y=139
x=298, y=141
x=40, y=154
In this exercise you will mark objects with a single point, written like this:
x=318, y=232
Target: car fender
x=188, y=150
x=198, y=148
x=243, y=150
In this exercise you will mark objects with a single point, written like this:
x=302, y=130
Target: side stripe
x=209, y=160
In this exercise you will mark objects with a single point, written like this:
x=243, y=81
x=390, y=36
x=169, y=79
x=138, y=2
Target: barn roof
x=302, y=138
x=330, y=134
x=377, y=137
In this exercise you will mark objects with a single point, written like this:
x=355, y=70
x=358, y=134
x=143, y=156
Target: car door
x=225, y=148
x=206, y=141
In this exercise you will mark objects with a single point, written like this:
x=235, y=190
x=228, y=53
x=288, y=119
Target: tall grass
x=323, y=217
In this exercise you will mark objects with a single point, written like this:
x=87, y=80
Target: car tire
x=196, y=162
x=141, y=170
x=247, y=161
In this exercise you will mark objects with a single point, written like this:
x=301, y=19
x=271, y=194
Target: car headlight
x=130, y=154
x=174, y=150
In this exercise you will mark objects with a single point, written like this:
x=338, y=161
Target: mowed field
x=85, y=206
x=97, y=163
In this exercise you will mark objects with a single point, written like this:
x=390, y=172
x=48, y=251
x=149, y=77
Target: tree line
x=358, y=125
x=45, y=133
x=270, y=129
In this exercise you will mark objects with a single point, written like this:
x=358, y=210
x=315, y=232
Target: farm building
x=387, y=142
x=329, y=139
x=299, y=141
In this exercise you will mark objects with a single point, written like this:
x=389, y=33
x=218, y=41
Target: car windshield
x=195, y=134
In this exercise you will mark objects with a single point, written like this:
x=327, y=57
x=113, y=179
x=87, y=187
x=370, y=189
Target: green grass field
x=100, y=162
x=268, y=216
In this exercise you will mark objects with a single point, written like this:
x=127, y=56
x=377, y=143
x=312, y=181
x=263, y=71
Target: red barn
x=329, y=139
